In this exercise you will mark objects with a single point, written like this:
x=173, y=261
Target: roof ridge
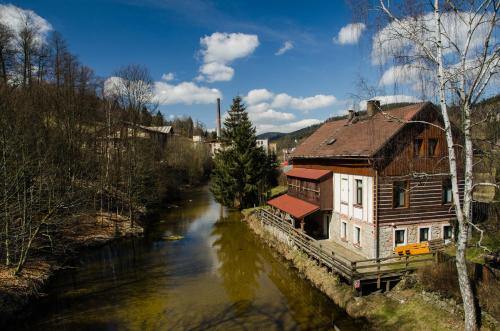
x=361, y=139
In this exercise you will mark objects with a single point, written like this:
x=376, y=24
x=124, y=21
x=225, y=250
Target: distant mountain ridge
x=271, y=135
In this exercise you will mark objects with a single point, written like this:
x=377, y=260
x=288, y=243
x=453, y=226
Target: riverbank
x=81, y=232
x=405, y=307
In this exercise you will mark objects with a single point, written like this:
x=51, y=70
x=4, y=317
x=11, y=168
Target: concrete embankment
x=405, y=307
x=79, y=233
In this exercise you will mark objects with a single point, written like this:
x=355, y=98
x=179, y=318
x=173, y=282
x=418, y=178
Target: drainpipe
x=377, y=232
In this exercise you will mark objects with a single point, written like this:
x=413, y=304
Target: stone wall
x=386, y=234
x=367, y=245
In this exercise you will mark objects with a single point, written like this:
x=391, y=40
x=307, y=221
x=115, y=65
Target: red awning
x=313, y=174
x=293, y=206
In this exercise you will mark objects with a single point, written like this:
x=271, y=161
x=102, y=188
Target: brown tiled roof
x=293, y=206
x=360, y=139
x=314, y=174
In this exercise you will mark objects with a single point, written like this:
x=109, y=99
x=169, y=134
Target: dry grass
x=489, y=297
x=90, y=229
x=441, y=278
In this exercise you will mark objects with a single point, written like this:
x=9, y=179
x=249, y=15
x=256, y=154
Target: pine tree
x=240, y=173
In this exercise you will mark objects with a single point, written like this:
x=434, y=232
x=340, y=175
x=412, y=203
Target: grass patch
x=473, y=254
x=278, y=190
x=410, y=313
x=249, y=211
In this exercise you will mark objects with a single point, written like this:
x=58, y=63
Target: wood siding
x=398, y=157
x=425, y=201
x=326, y=188
x=318, y=192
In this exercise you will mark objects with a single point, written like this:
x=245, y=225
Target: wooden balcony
x=312, y=196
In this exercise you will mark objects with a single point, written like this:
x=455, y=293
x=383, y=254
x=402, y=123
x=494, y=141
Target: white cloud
x=214, y=72
x=288, y=127
x=399, y=74
x=263, y=97
x=284, y=100
x=388, y=99
x=270, y=115
x=394, y=40
x=258, y=95
x=187, y=93
x=267, y=109
x=220, y=49
x=168, y=76
x=227, y=47
x=288, y=45
x=16, y=18
x=391, y=40
x=350, y=34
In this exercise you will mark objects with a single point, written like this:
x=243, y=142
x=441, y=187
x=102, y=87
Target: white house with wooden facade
x=372, y=182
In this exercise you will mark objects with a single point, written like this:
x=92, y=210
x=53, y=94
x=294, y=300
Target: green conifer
x=241, y=169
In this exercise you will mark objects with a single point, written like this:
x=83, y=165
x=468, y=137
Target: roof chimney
x=372, y=107
x=218, y=119
x=350, y=116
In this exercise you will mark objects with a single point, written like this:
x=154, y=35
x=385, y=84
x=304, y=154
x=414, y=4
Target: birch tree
x=453, y=45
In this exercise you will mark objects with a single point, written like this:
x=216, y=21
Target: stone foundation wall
x=386, y=234
x=367, y=245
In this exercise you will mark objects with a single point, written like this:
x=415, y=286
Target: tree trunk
x=5, y=202
x=463, y=278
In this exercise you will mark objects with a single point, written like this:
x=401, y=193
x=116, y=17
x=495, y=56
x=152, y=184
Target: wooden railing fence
x=360, y=270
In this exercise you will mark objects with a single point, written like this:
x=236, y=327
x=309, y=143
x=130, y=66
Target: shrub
x=441, y=278
x=488, y=293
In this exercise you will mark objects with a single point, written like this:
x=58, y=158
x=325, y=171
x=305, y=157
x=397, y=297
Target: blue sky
x=314, y=78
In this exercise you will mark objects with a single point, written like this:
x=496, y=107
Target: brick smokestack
x=372, y=107
x=218, y=119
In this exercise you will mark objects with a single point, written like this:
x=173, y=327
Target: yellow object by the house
x=412, y=249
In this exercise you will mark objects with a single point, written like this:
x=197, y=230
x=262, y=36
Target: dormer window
x=432, y=147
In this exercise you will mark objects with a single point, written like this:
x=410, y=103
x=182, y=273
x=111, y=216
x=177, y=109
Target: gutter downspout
x=377, y=232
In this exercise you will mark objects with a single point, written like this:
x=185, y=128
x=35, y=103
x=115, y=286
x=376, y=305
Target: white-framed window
x=356, y=236
x=358, y=199
x=447, y=233
x=447, y=192
x=424, y=234
x=400, y=194
x=343, y=230
x=400, y=237
x=344, y=190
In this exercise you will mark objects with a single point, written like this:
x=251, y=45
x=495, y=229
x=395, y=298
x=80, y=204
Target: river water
x=220, y=276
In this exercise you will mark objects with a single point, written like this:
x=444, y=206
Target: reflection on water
x=218, y=277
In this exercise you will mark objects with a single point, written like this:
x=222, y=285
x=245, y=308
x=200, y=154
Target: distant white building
x=198, y=139
x=264, y=143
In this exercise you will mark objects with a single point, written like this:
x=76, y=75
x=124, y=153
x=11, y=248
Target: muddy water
x=220, y=276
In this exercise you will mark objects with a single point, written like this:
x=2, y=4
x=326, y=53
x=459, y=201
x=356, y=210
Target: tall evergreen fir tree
x=241, y=169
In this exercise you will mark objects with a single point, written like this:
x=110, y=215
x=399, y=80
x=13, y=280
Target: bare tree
x=133, y=87
x=6, y=51
x=452, y=45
